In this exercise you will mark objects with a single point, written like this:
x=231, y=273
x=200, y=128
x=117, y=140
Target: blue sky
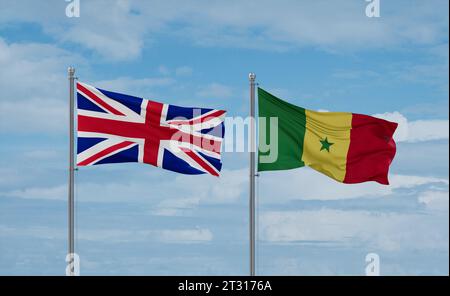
x=138, y=219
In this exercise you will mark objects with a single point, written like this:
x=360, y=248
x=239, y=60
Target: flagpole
x=252, y=77
x=71, y=201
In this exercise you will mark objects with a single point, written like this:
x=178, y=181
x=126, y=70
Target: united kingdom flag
x=115, y=128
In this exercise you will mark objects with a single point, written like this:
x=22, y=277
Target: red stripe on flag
x=150, y=131
x=200, y=161
x=157, y=133
x=102, y=153
x=99, y=101
x=371, y=150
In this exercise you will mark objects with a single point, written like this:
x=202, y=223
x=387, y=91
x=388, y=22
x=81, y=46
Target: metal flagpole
x=71, y=73
x=252, y=77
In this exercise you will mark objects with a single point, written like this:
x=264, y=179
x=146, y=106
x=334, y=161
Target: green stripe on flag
x=291, y=132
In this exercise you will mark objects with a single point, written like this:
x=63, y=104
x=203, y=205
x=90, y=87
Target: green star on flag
x=325, y=144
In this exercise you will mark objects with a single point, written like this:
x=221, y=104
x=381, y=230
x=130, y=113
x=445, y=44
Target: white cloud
x=226, y=189
x=312, y=185
x=33, y=94
x=196, y=235
x=435, y=200
x=171, y=197
x=134, y=86
x=123, y=28
x=9, y=176
x=41, y=155
x=432, y=71
x=109, y=28
x=163, y=70
x=176, y=206
x=87, y=191
x=33, y=231
x=33, y=70
x=52, y=193
x=426, y=130
x=33, y=115
x=417, y=131
x=180, y=236
x=116, y=33
x=380, y=231
x=179, y=196
x=185, y=235
x=318, y=23
x=183, y=71
x=215, y=90
x=407, y=181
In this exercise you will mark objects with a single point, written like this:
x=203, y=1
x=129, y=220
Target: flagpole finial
x=251, y=76
x=71, y=70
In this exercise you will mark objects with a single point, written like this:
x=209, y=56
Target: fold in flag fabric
x=348, y=147
x=116, y=128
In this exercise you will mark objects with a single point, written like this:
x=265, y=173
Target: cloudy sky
x=138, y=219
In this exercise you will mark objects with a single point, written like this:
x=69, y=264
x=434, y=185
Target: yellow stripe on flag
x=326, y=142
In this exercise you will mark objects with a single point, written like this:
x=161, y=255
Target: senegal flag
x=348, y=147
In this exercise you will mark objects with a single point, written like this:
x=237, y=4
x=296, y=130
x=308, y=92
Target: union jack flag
x=115, y=128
